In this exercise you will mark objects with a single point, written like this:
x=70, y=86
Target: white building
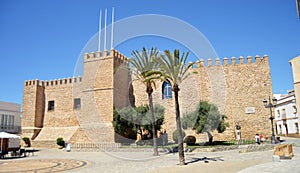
x=286, y=115
x=10, y=120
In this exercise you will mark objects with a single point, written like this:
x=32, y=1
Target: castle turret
x=33, y=108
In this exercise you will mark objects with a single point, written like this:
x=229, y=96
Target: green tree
x=123, y=124
x=206, y=118
x=144, y=69
x=174, y=68
x=129, y=121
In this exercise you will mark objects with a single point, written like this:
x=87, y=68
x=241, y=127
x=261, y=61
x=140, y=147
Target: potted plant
x=26, y=141
x=60, y=142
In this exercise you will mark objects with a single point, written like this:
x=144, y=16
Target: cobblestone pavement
x=284, y=166
x=54, y=160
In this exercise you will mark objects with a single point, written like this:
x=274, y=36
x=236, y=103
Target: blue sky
x=43, y=39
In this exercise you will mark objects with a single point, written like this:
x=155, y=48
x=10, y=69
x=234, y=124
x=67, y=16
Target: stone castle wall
x=232, y=87
x=97, y=92
x=106, y=84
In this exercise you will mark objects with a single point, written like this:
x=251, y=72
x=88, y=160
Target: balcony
x=283, y=116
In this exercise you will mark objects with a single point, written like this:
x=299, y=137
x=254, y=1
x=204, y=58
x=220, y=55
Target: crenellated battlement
x=234, y=61
x=99, y=55
x=55, y=82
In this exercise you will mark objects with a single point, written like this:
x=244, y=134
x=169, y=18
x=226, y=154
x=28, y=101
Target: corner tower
x=105, y=86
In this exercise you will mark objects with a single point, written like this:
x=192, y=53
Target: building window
x=283, y=114
x=77, y=104
x=294, y=109
x=7, y=122
x=278, y=113
x=280, y=129
x=296, y=127
x=3, y=123
x=51, y=105
x=11, y=120
x=166, y=90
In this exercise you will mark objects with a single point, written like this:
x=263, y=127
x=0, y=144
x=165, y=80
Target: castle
x=80, y=109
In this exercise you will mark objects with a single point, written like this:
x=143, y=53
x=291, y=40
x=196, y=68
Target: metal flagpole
x=105, y=29
x=99, y=40
x=112, y=29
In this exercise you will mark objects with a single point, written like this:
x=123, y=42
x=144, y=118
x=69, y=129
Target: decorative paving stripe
x=41, y=166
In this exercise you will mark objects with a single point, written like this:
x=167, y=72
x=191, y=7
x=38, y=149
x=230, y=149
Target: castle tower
x=105, y=86
x=33, y=108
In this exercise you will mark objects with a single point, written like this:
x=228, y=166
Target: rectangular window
x=280, y=129
x=5, y=121
x=294, y=109
x=77, y=104
x=283, y=114
x=2, y=121
x=51, y=105
x=278, y=113
x=296, y=127
x=11, y=122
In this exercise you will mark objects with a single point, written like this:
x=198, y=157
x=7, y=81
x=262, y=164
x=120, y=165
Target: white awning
x=8, y=135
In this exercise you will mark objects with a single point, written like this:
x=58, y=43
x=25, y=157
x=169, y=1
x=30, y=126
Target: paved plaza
x=55, y=160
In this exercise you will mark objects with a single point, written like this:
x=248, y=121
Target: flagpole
x=112, y=29
x=105, y=29
x=99, y=38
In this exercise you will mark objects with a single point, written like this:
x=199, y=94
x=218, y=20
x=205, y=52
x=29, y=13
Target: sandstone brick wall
x=62, y=95
x=32, y=108
x=231, y=86
x=121, y=84
x=90, y=123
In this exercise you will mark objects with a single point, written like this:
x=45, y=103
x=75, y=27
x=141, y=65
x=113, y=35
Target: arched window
x=166, y=90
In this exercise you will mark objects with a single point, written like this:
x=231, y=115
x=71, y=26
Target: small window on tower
x=77, y=103
x=51, y=105
x=166, y=90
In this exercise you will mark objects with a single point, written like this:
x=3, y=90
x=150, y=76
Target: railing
x=10, y=129
x=96, y=146
x=283, y=115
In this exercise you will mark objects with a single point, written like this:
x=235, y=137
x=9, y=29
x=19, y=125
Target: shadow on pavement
x=205, y=159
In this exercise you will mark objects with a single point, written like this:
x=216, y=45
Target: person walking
x=261, y=138
x=257, y=140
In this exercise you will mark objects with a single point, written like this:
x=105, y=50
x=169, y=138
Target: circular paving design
x=37, y=166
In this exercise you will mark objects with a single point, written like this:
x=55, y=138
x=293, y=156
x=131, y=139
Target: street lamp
x=271, y=105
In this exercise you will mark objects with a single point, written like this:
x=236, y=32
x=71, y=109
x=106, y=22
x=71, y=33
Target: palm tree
x=144, y=68
x=174, y=68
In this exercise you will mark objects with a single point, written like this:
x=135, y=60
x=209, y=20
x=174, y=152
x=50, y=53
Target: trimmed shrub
x=175, y=135
x=190, y=140
x=27, y=141
x=60, y=142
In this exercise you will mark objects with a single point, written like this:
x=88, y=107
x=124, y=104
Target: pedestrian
x=257, y=141
x=261, y=138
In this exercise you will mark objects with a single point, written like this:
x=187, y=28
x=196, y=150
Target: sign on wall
x=250, y=110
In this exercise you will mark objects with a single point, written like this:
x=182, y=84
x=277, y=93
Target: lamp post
x=271, y=105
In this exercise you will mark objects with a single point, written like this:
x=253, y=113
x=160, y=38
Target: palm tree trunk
x=155, y=148
x=179, y=130
x=210, y=136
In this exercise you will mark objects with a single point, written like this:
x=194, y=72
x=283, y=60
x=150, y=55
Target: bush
x=60, y=142
x=175, y=135
x=190, y=140
x=27, y=141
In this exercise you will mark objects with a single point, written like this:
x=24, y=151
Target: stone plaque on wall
x=250, y=110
